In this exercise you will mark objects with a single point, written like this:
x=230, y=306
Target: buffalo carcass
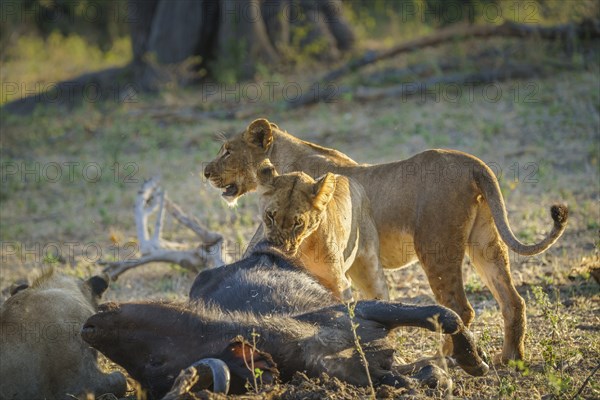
x=290, y=316
x=43, y=356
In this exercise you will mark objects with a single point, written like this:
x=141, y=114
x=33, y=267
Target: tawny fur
x=433, y=207
x=326, y=224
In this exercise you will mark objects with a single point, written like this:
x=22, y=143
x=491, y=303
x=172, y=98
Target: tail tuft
x=560, y=214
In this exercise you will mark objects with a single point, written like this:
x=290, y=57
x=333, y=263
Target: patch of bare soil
x=302, y=387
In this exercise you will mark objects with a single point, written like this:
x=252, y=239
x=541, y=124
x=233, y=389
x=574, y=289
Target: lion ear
x=98, y=284
x=18, y=286
x=323, y=191
x=266, y=172
x=259, y=133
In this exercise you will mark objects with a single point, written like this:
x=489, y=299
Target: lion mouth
x=230, y=190
x=288, y=248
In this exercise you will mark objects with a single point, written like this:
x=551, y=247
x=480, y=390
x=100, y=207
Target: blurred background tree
x=100, y=22
x=218, y=35
x=158, y=42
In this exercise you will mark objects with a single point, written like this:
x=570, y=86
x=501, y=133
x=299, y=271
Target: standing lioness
x=432, y=207
x=326, y=223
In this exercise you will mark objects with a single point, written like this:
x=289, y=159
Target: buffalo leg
x=393, y=315
x=430, y=376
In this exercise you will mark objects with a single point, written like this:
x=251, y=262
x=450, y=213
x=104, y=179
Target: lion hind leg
x=490, y=258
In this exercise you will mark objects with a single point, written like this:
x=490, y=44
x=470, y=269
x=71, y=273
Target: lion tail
x=488, y=184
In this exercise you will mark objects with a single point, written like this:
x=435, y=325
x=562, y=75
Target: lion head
x=52, y=360
x=292, y=205
x=234, y=169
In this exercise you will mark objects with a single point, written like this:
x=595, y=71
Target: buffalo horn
x=220, y=373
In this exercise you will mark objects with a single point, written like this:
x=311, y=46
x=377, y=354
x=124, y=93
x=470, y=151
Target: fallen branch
x=587, y=29
x=477, y=78
x=208, y=237
x=152, y=199
x=422, y=70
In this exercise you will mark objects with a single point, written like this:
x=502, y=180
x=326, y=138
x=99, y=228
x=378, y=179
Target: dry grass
x=547, y=150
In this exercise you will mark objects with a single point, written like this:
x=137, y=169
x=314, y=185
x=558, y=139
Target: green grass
x=87, y=211
x=33, y=64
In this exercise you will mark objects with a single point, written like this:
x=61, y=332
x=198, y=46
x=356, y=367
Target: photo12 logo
x=470, y=91
x=52, y=252
x=520, y=11
x=67, y=171
x=66, y=92
x=269, y=91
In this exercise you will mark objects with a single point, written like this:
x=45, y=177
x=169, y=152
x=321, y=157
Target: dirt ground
x=541, y=137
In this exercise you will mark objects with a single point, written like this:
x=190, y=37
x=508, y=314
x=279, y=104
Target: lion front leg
x=367, y=275
x=442, y=263
x=333, y=278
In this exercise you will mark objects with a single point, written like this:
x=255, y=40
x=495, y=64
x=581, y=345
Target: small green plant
x=560, y=383
x=357, y=345
x=506, y=384
x=256, y=372
x=485, y=339
x=550, y=315
x=520, y=366
x=506, y=387
x=552, y=346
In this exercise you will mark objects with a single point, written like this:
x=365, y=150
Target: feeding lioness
x=42, y=355
x=432, y=207
x=328, y=225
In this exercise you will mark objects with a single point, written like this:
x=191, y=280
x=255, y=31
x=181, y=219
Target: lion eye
x=226, y=154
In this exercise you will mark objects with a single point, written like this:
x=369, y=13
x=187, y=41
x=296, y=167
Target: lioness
x=43, y=356
x=328, y=225
x=432, y=207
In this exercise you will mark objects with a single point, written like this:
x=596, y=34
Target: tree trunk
x=170, y=37
x=338, y=24
x=176, y=30
x=314, y=35
x=140, y=14
x=242, y=39
x=277, y=21
x=183, y=40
